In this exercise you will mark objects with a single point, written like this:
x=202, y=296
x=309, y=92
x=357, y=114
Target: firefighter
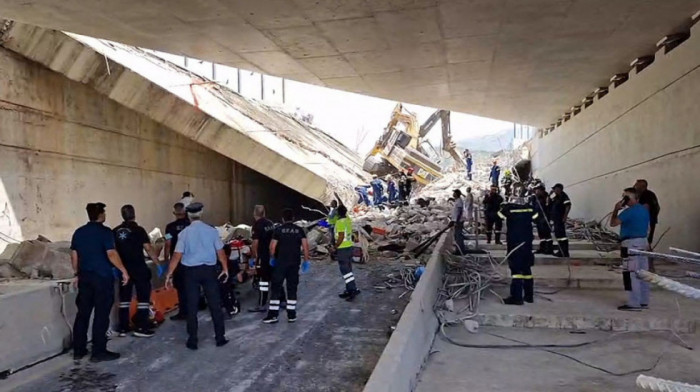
x=561, y=205
x=260, y=256
x=541, y=203
x=285, y=250
x=492, y=204
x=519, y=218
x=508, y=182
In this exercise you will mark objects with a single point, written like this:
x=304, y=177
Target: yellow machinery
x=401, y=146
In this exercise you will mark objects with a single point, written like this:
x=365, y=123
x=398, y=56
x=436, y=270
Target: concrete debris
x=36, y=259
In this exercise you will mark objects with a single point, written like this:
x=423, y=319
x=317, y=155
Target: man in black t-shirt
x=131, y=240
x=649, y=200
x=260, y=254
x=285, y=251
x=172, y=230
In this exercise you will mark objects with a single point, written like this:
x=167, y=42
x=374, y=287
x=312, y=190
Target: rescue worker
x=541, y=203
x=495, y=173
x=391, y=189
x=508, y=182
x=344, y=244
x=198, y=248
x=287, y=240
x=648, y=199
x=408, y=184
x=363, y=197
x=402, y=186
x=561, y=205
x=492, y=204
x=469, y=161
x=260, y=255
x=172, y=230
x=634, y=223
x=92, y=257
x=377, y=189
x=519, y=219
x=131, y=240
x=457, y=221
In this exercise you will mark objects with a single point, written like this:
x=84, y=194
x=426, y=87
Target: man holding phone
x=634, y=224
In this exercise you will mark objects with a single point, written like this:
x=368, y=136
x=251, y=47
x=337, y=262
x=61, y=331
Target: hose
x=668, y=284
x=661, y=385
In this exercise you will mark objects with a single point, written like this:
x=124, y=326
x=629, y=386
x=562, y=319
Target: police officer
x=457, y=221
x=561, y=205
x=92, y=258
x=131, y=240
x=285, y=248
x=541, y=203
x=260, y=253
x=344, y=244
x=492, y=204
x=495, y=173
x=198, y=248
x=519, y=218
x=172, y=230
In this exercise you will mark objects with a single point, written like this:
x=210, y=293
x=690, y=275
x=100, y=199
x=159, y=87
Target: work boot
x=529, y=289
x=291, y=316
x=104, y=356
x=352, y=295
x=144, y=333
x=270, y=319
x=513, y=301
x=488, y=237
x=498, y=238
x=345, y=294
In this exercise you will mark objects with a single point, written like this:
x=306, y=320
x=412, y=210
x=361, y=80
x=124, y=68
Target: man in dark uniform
x=648, y=199
x=92, y=257
x=519, y=218
x=260, y=253
x=131, y=240
x=285, y=250
x=199, y=247
x=541, y=203
x=492, y=204
x=172, y=230
x=561, y=205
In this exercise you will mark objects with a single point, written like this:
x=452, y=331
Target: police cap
x=194, y=207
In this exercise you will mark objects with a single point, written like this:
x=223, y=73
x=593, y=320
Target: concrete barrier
x=403, y=357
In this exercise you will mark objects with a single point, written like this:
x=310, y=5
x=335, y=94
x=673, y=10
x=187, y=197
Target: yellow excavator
x=402, y=146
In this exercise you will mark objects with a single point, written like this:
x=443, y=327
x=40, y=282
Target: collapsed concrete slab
x=265, y=139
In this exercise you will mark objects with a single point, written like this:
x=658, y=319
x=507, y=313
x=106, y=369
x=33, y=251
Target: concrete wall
x=63, y=145
x=648, y=127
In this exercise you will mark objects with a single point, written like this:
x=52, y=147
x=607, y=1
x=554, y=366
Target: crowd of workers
x=637, y=214
x=398, y=190
x=196, y=265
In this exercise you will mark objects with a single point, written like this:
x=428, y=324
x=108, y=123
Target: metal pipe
x=683, y=251
x=661, y=385
x=668, y=284
x=675, y=258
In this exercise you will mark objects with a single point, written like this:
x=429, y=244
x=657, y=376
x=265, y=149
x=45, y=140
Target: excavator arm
x=447, y=143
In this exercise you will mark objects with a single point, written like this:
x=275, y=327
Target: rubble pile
x=36, y=259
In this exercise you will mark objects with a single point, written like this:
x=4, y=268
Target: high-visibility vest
x=344, y=225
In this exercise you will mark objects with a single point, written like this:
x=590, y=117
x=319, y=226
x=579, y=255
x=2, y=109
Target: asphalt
x=333, y=346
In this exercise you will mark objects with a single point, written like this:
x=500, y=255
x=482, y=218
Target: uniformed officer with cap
x=561, y=205
x=519, y=218
x=198, y=248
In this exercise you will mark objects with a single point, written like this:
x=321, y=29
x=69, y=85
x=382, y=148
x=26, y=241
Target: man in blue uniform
x=260, y=252
x=377, y=190
x=469, y=161
x=561, y=205
x=287, y=242
x=495, y=174
x=519, y=218
x=172, y=230
x=199, y=247
x=131, y=240
x=541, y=203
x=93, y=256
